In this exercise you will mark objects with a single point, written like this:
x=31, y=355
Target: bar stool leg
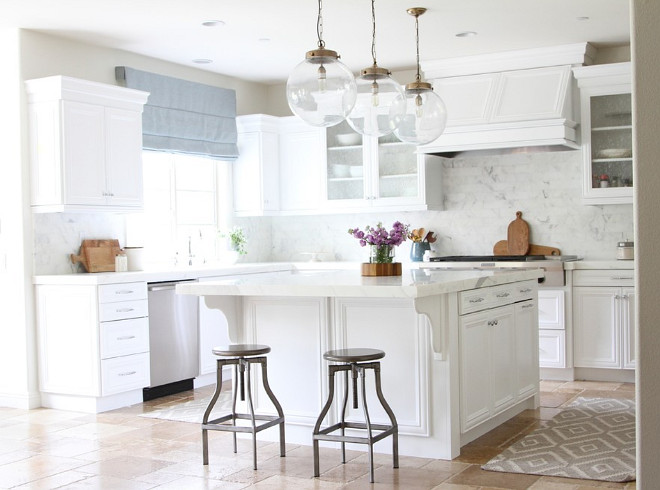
x=390, y=414
x=207, y=412
x=233, y=404
x=246, y=368
x=365, y=409
x=343, y=417
x=317, y=426
x=278, y=407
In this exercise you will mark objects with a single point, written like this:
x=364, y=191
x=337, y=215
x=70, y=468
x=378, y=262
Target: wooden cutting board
x=518, y=236
x=97, y=255
x=502, y=248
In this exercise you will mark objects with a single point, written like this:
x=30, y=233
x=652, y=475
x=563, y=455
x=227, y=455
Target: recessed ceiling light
x=466, y=34
x=202, y=61
x=264, y=39
x=583, y=18
x=213, y=23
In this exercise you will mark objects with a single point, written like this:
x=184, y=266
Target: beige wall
x=646, y=112
x=44, y=55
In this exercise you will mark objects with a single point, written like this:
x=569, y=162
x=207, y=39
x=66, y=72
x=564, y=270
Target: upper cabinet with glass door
x=606, y=133
x=378, y=173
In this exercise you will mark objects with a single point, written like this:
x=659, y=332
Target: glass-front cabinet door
x=606, y=133
x=371, y=172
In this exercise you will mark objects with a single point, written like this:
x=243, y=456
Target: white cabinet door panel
x=552, y=348
x=596, y=336
x=551, y=309
x=123, y=136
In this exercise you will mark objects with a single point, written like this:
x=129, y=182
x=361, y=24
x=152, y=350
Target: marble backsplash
x=481, y=195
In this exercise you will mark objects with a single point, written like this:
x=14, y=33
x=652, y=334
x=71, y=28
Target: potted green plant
x=236, y=241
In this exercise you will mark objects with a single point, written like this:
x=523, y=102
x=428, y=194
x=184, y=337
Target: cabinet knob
x=616, y=296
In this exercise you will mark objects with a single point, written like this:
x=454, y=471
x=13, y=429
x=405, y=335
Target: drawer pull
x=128, y=373
x=124, y=310
x=476, y=300
x=125, y=291
x=621, y=278
x=504, y=295
x=527, y=290
x=126, y=337
x=492, y=323
x=529, y=305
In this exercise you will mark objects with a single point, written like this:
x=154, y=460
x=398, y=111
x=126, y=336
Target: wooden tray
x=393, y=269
x=97, y=255
x=502, y=248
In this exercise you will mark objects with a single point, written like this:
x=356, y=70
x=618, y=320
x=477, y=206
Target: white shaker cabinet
x=604, y=319
x=256, y=171
x=301, y=154
x=382, y=174
x=605, y=96
x=497, y=373
x=93, y=345
x=552, y=328
x=85, y=145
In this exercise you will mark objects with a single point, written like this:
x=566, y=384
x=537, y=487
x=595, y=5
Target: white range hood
x=509, y=102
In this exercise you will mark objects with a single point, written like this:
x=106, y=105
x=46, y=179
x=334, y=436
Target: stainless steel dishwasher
x=173, y=340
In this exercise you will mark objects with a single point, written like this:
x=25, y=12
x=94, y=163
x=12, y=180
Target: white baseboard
x=26, y=401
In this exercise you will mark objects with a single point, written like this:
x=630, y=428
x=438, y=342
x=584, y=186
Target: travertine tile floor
x=46, y=449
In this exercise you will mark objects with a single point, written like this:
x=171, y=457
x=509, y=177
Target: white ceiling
x=171, y=29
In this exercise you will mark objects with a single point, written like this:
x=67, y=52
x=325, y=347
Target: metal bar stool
x=355, y=361
x=241, y=356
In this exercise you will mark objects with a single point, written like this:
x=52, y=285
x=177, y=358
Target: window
x=180, y=219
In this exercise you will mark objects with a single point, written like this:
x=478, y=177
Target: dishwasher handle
x=166, y=286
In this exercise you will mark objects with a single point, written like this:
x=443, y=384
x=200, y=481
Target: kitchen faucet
x=190, y=254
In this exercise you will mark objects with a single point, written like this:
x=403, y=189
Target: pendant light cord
x=373, y=31
x=418, y=78
x=319, y=26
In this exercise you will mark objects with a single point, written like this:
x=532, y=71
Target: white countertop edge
x=352, y=284
x=600, y=264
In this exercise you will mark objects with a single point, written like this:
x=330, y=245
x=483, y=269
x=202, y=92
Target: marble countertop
x=413, y=283
x=600, y=264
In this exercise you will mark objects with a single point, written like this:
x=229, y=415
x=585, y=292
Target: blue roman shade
x=185, y=117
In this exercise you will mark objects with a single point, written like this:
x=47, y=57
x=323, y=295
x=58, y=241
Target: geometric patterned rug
x=591, y=439
x=193, y=410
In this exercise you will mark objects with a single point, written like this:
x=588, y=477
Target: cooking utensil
x=518, y=236
x=502, y=248
x=97, y=255
x=430, y=237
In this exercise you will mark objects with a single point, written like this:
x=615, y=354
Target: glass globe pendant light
x=321, y=90
x=424, y=113
x=373, y=114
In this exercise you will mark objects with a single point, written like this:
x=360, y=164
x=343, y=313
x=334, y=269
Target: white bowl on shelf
x=355, y=170
x=349, y=139
x=340, y=170
x=614, y=153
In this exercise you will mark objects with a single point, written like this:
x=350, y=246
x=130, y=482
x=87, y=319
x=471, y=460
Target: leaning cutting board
x=518, y=236
x=97, y=255
x=502, y=248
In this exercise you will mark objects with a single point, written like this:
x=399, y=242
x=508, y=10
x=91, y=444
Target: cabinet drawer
x=552, y=348
x=128, y=291
x=551, y=309
x=485, y=298
x=123, y=310
x=124, y=373
x=124, y=337
x=620, y=277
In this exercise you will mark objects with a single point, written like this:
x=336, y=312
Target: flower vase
x=381, y=262
x=417, y=251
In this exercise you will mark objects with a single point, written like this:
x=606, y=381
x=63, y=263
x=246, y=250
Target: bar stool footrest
x=325, y=434
x=217, y=424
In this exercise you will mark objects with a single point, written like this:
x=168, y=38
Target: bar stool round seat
x=353, y=355
x=241, y=350
x=242, y=356
x=355, y=361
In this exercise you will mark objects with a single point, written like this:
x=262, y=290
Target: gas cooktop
x=503, y=258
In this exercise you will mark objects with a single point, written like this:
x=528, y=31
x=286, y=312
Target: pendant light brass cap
x=416, y=11
x=418, y=87
x=321, y=55
x=375, y=72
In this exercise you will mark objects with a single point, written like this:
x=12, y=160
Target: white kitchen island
x=461, y=346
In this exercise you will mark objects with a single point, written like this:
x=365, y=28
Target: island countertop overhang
x=413, y=283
